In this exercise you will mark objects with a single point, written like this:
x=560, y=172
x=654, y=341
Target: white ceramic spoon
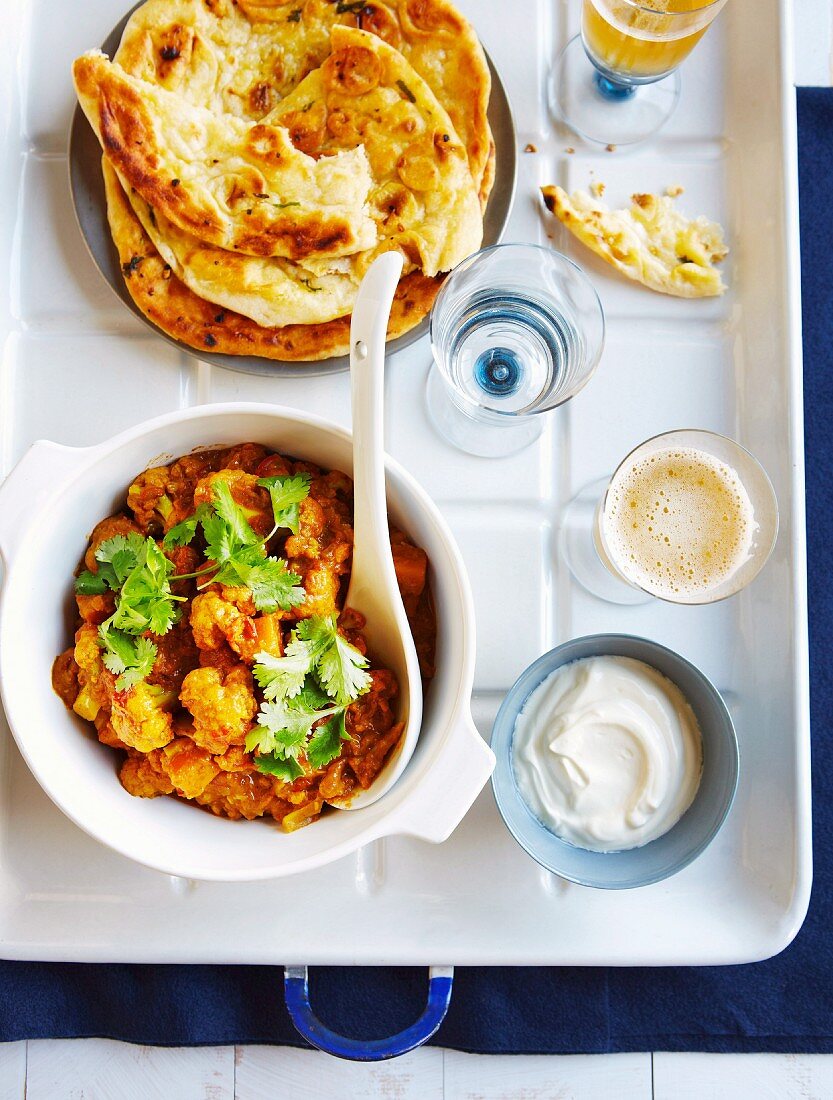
x=373, y=589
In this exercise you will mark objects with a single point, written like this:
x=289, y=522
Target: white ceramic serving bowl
x=48, y=506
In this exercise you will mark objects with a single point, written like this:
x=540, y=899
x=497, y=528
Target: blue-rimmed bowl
x=696, y=828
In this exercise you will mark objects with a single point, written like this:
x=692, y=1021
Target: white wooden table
x=99, y=1069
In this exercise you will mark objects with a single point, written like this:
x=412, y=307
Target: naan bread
x=176, y=310
x=243, y=57
x=422, y=201
x=652, y=243
x=269, y=290
x=239, y=185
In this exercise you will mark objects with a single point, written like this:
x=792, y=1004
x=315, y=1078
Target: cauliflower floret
x=188, y=767
x=320, y=554
x=140, y=717
x=321, y=585
x=93, y=678
x=107, y=529
x=215, y=620
x=140, y=778
x=311, y=525
x=148, y=499
x=95, y=609
x=65, y=677
x=223, y=706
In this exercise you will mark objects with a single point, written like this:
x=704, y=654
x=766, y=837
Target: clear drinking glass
x=688, y=516
x=515, y=331
x=631, y=87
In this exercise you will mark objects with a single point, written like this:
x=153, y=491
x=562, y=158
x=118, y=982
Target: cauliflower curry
x=213, y=648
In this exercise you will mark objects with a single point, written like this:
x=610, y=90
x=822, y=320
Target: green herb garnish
x=287, y=493
x=131, y=659
x=183, y=533
x=138, y=572
x=320, y=675
x=140, y=575
x=294, y=16
x=406, y=91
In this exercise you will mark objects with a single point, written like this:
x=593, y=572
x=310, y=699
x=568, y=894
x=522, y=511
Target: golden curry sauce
x=183, y=730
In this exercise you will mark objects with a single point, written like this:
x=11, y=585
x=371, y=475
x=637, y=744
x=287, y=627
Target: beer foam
x=678, y=523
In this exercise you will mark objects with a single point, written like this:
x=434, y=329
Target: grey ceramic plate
x=87, y=188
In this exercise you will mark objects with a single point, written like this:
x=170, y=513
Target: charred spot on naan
x=307, y=127
x=352, y=70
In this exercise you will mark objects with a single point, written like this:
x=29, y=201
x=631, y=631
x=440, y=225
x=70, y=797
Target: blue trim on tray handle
x=296, y=991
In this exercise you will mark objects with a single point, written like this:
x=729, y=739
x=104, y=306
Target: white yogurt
x=607, y=753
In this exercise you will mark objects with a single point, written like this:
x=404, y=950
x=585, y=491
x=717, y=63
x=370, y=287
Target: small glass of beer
x=688, y=516
x=632, y=86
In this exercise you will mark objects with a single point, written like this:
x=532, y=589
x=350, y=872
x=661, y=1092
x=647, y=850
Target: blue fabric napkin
x=785, y=1004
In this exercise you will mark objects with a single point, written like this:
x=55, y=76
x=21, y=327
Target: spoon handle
x=368, y=329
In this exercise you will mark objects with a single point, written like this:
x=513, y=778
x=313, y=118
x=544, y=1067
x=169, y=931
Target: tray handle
x=296, y=992
x=447, y=792
x=40, y=472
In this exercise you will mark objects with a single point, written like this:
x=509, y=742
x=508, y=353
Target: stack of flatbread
x=259, y=155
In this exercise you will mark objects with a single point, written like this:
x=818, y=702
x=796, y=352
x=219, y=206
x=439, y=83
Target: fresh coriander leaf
x=319, y=632
x=219, y=541
x=341, y=670
x=119, y=651
x=287, y=769
x=90, y=584
x=131, y=659
x=338, y=664
x=282, y=677
x=283, y=728
x=123, y=553
x=273, y=586
x=145, y=601
x=325, y=743
x=228, y=509
x=312, y=696
x=287, y=493
x=146, y=652
x=182, y=533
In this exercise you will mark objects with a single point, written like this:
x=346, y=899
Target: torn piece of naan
x=652, y=243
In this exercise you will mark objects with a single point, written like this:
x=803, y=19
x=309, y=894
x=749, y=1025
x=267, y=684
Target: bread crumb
x=569, y=149
x=597, y=188
x=610, y=148
x=675, y=190
x=530, y=148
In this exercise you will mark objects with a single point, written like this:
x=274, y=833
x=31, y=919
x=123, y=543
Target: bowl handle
x=38, y=474
x=447, y=792
x=296, y=991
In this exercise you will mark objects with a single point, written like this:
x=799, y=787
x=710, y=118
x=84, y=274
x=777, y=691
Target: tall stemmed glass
x=516, y=330
x=617, y=82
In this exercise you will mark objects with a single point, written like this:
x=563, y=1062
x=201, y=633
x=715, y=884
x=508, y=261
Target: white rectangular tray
x=77, y=367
